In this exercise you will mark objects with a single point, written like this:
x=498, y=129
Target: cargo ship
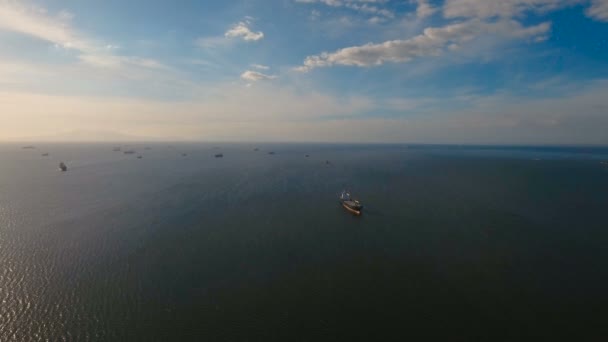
x=350, y=204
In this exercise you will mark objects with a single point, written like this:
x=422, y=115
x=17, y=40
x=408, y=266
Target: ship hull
x=355, y=210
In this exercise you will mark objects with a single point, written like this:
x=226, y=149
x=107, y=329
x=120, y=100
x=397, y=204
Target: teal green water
x=470, y=243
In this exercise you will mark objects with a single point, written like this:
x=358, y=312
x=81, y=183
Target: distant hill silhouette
x=96, y=136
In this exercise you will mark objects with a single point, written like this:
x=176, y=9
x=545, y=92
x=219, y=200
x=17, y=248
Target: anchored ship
x=350, y=204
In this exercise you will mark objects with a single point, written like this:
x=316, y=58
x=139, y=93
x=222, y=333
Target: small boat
x=219, y=155
x=270, y=152
x=45, y=154
x=350, y=204
x=256, y=149
x=184, y=154
x=63, y=167
x=139, y=157
x=129, y=152
x=28, y=147
x=307, y=156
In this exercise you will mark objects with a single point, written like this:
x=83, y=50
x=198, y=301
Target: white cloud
x=241, y=30
x=598, y=10
x=254, y=76
x=370, y=9
x=260, y=66
x=376, y=20
x=432, y=42
x=364, y=6
x=500, y=8
x=424, y=9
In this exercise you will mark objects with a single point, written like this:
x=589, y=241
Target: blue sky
x=445, y=71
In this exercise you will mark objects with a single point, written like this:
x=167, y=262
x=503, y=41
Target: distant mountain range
x=96, y=136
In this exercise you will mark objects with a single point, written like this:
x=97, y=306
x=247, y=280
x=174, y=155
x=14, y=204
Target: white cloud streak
x=500, y=8
x=432, y=42
x=260, y=66
x=254, y=76
x=36, y=22
x=363, y=6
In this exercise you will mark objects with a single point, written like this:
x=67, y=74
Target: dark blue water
x=457, y=243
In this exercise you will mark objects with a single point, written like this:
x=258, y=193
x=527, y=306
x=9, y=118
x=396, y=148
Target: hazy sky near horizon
x=431, y=71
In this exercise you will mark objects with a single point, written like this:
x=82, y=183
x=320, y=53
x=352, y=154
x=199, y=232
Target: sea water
x=456, y=242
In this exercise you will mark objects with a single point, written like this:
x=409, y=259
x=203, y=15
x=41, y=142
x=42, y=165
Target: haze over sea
x=459, y=243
